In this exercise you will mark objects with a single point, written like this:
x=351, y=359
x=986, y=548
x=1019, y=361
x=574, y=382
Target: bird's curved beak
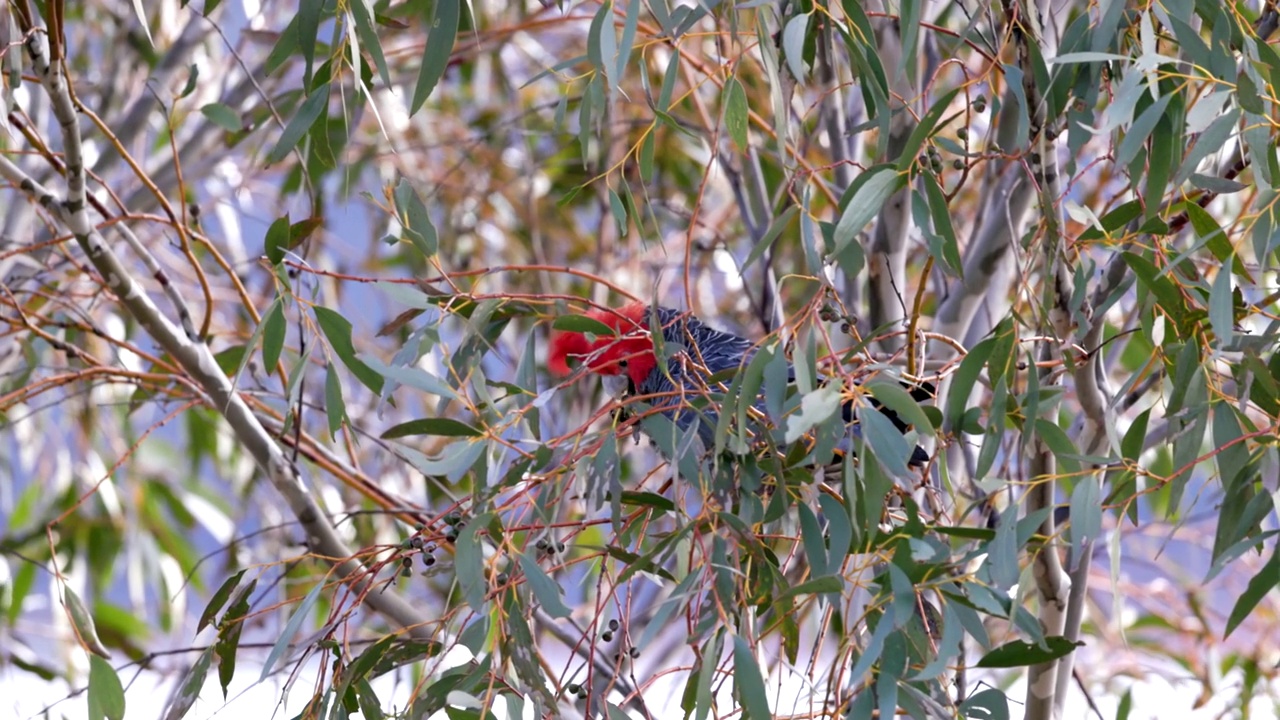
x=615, y=385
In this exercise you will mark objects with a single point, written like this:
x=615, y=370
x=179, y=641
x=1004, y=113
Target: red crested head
x=628, y=351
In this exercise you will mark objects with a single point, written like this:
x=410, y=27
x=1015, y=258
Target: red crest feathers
x=629, y=350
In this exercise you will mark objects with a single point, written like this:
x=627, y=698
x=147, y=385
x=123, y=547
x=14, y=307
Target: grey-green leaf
x=544, y=588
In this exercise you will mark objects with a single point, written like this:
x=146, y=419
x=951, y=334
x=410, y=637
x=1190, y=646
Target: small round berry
x=606, y=636
x=958, y=164
x=962, y=133
x=635, y=652
x=559, y=547
x=613, y=624
x=416, y=542
x=574, y=689
x=428, y=560
x=541, y=544
x=453, y=518
x=407, y=562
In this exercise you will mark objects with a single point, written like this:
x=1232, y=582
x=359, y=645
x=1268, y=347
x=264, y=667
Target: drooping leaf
x=308, y=113
x=106, y=693
x=436, y=51
x=439, y=426
x=1019, y=653
x=544, y=588
x=337, y=330
x=290, y=631
x=867, y=195
x=749, y=682
x=83, y=624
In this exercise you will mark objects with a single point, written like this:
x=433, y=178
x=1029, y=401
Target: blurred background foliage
x=316, y=443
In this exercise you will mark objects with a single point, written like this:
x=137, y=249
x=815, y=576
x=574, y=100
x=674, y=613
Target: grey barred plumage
x=695, y=353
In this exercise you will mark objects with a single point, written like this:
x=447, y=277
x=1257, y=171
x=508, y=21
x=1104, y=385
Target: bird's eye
x=622, y=364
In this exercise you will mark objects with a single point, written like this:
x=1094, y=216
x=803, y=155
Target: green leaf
x=308, y=28
x=469, y=563
x=1222, y=308
x=456, y=460
x=106, y=694
x=735, y=112
x=1060, y=444
x=369, y=37
x=308, y=113
x=1014, y=79
x=337, y=329
x=779, y=224
x=1208, y=230
x=229, y=635
x=436, y=52
x=411, y=375
x=544, y=588
x=627, y=43
x=815, y=407
x=1247, y=94
x=816, y=586
x=867, y=195
x=581, y=324
x=839, y=530
x=619, y=212
x=1140, y=131
x=886, y=443
x=646, y=561
x=189, y=691
x=793, y=35
x=1210, y=141
x=82, y=622
x=277, y=240
x=923, y=130
x=1114, y=220
x=273, y=335
x=290, y=630
x=445, y=427
x=602, y=44
x=222, y=116
x=648, y=147
x=991, y=704
x=941, y=216
x=1168, y=299
x=218, y=600
x=1166, y=149
x=748, y=682
x=965, y=379
x=1086, y=515
x=22, y=582
x=415, y=219
x=893, y=396
x=1241, y=547
x=811, y=538
x=1002, y=552
x=1019, y=653
x=886, y=624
